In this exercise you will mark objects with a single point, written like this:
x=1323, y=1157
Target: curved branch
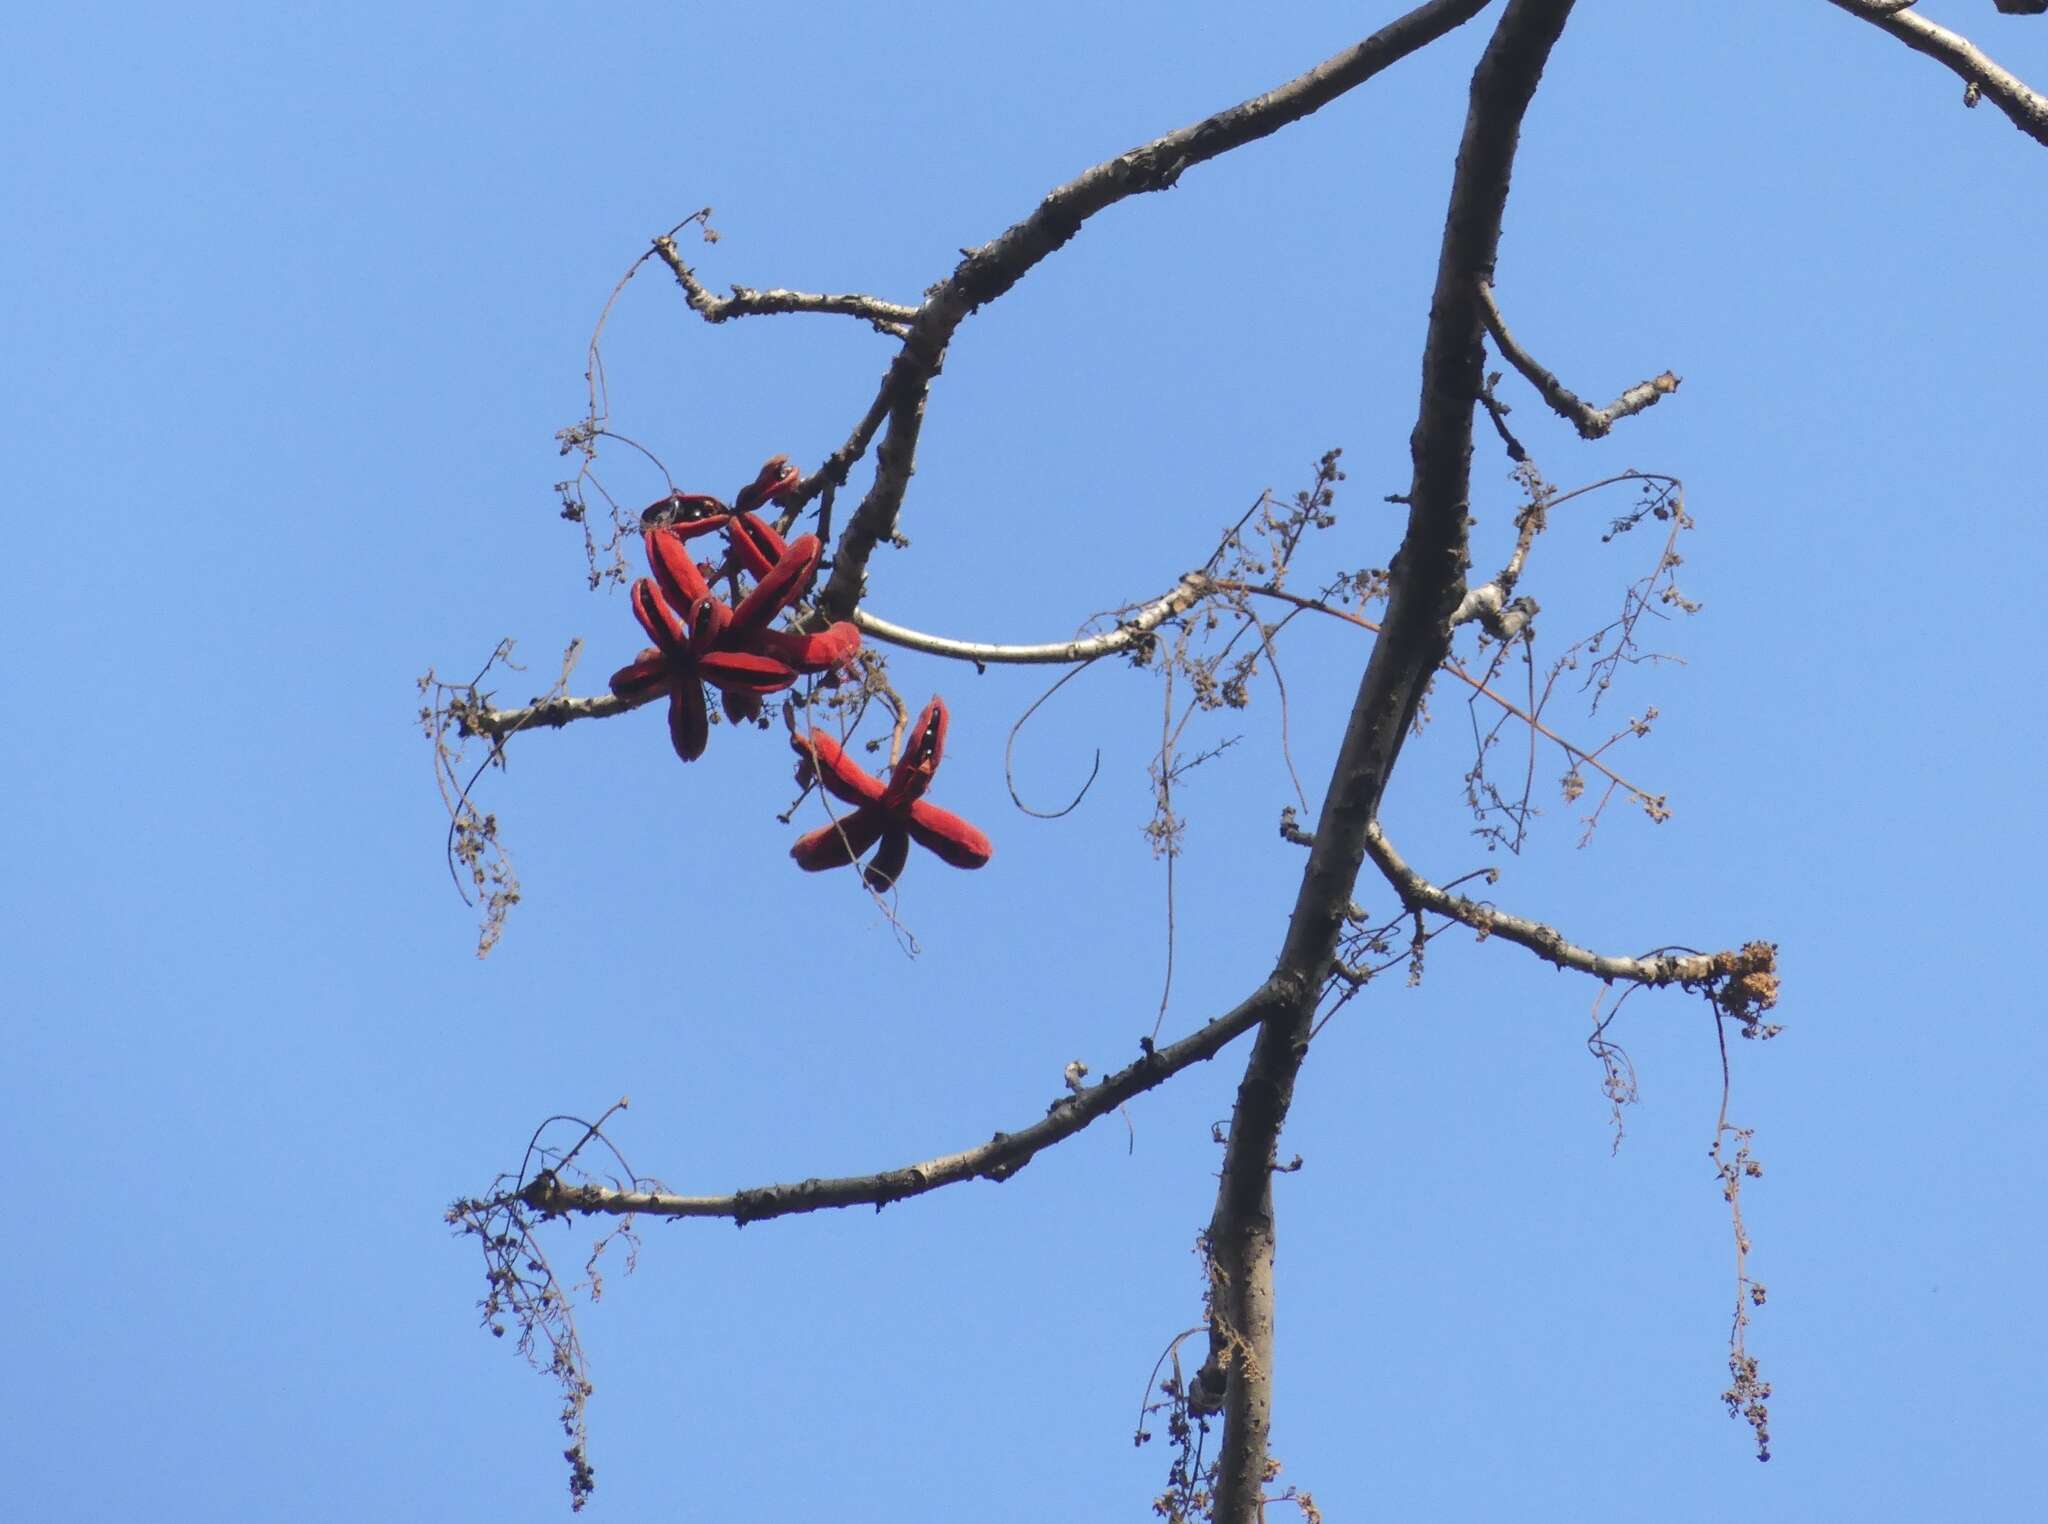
x=1128, y=633
x=998, y=1159
x=1591, y=422
x=2024, y=107
x=988, y=272
x=1418, y=893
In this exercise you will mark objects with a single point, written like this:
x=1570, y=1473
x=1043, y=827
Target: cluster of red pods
x=739, y=650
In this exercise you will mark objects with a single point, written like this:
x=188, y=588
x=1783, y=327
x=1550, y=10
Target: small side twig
x=551, y=713
x=1129, y=632
x=1591, y=422
x=1686, y=969
x=890, y=318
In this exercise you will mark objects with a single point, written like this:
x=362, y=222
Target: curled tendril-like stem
x=590, y=1130
x=1010, y=748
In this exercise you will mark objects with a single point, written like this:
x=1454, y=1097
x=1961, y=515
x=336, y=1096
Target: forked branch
x=1591, y=422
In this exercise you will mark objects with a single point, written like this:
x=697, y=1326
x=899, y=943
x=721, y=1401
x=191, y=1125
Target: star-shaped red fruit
x=698, y=639
x=895, y=813
x=695, y=513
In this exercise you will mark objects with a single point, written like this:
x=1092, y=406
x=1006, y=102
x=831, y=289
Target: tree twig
x=998, y=1159
x=892, y=318
x=1418, y=893
x=1128, y=633
x=553, y=713
x=1591, y=422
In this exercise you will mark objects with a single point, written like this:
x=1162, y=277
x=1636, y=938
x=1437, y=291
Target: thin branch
x=891, y=318
x=2022, y=105
x=1418, y=893
x=1128, y=633
x=832, y=474
x=1498, y=411
x=986, y=273
x=998, y=1159
x=1426, y=585
x=1653, y=803
x=1591, y=422
x=553, y=713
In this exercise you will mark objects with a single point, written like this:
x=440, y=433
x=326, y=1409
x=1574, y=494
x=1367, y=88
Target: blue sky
x=295, y=299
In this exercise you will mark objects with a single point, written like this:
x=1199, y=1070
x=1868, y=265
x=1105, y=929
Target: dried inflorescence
x=1750, y=985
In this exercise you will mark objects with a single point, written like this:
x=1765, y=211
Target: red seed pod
x=820, y=651
x=786, y=581
x=689, y=722
x=838, y=843
x=840, y=775
x=678, y=508
x=775, y=482
x=886, y=866
x=745, y=670
x=755, y=545
x=893, y=813
x=645, y=676
x=674, y=568
x=660, y=622
x=953, y=839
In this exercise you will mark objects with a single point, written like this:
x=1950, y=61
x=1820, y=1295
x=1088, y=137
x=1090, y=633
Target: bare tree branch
x=553, y=713
x=1128, y=633
x=1418, y=893
x=1591, y=422
x=891, y=318
x=2023, y=106
x=998, y=1159
x=1426, y=585
x=986, y=273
